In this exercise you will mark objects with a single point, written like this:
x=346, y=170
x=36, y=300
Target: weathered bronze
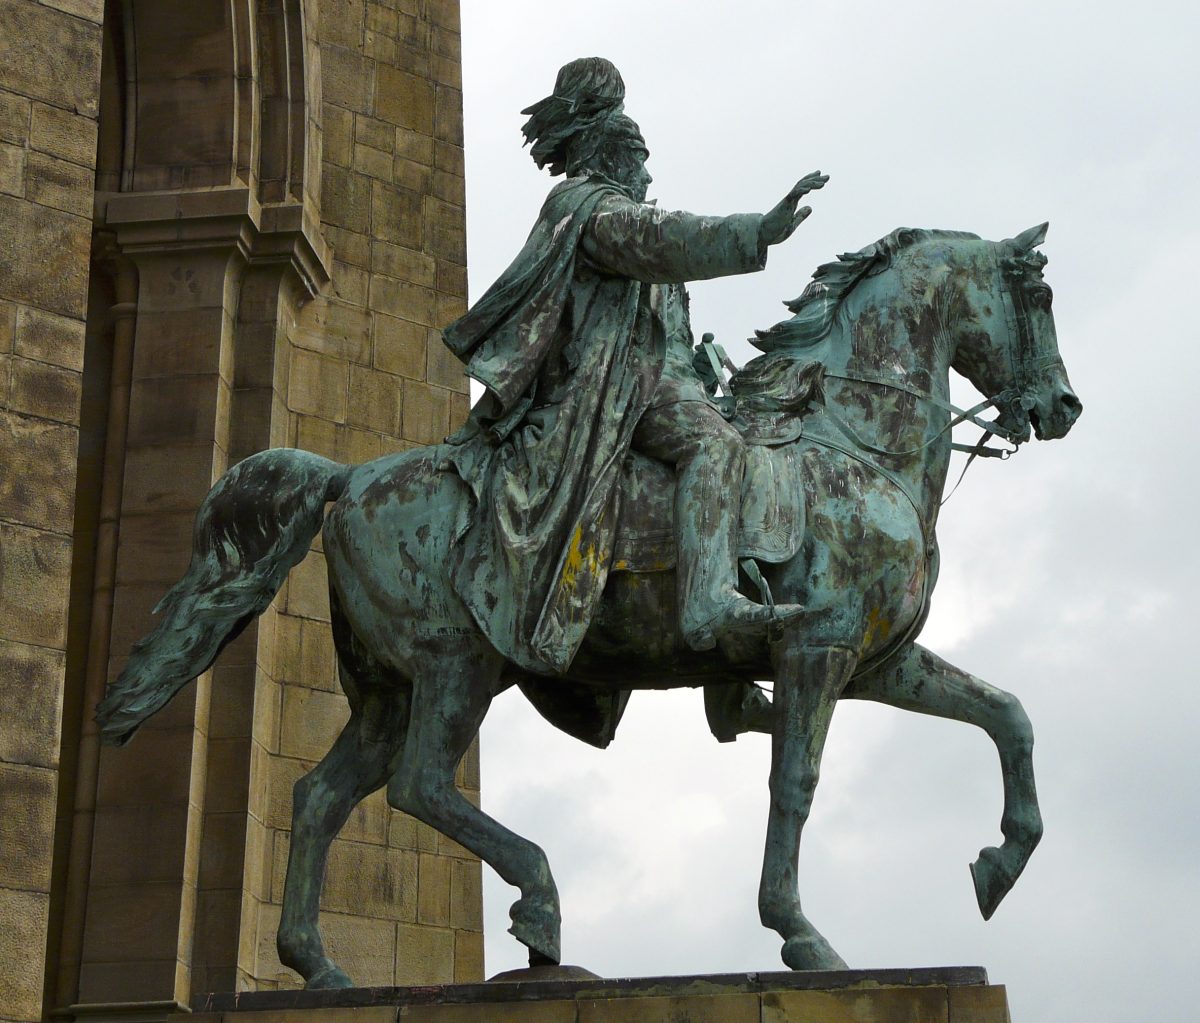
x=539, y=546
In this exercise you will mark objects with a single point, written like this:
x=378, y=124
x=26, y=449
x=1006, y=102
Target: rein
x=1023, y=361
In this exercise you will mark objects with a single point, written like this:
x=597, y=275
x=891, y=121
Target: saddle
x=772, y=515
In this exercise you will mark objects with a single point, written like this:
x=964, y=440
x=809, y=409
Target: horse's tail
x=251, y=529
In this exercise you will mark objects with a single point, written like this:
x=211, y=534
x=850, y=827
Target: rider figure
x=585, y=347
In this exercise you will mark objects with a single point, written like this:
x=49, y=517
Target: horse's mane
x=777, y=379
x=814, y=311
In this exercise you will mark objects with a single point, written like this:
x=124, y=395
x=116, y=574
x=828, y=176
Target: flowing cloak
x=570, y=343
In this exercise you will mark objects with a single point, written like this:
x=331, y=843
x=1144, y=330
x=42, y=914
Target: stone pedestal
x=944, y=995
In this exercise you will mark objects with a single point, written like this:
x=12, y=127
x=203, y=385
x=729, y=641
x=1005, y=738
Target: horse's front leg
x=921, y=681
x=808, y=681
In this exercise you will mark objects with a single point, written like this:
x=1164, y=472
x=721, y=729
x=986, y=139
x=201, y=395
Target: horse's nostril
x=1071, y=403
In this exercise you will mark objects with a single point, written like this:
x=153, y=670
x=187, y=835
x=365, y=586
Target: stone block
x=317, y=385
x=400, y=346
x=342, y=22
x=443, y=367
x=448, y=115
x=381, y=18
x=424, y=955
x=8, y=327
x=433, y=900
x=134, y=844
x=48, y=392
x=308, y=589
x=371, y=881
x=336, y=329
x=404, y=99
x=50, y=338
x=284, y=773
x=446, y=43
x=466, y=895
x=346, y=197
x=63, y=133
x=155, y=769
x=27, y=809
x=117, y=982
x=451, y=278
x=416, y=177
x=426, y=417
x=449, y=158
x=228, y=775
x=404, y=300
x=174, y=477
x=310, y=722
x=445, y=231
x=14, y=118
x=131, y=923
x=347, y=78
x=349, y=246
x=732, y=1008
x=31, y=684
x=557, y=1011
x=403, y=264
x=374, y=401
x=12, y=169
x=22, y=952
x=35, y=578
x=338, y=125
x=50, y=56
x=978, y=1004
x=396, y=215
x=468, y=957
x=373, y=132
x=451, y=188
x=58, y=183
x=412, y=145
x=53, y=274
x=374, y=163
x=350, y=284
x=178, y=342
x=857, y=1005
x=159, y=548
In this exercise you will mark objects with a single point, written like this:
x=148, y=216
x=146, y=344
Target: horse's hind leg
x=921, y=681
x=357, y=765
x=449, y=704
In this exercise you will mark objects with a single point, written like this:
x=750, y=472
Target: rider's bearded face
x=629, y=169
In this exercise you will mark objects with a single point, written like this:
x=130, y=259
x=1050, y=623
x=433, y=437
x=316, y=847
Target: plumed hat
x=587, y=91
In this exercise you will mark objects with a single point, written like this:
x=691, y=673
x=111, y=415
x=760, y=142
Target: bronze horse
x=870, y=430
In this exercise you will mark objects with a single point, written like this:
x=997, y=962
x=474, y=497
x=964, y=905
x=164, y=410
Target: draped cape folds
x=570, y=349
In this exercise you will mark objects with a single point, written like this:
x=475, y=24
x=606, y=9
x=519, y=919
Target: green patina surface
x=460, y=570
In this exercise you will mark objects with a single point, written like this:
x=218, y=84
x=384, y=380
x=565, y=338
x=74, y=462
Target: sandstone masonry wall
x=49, y=79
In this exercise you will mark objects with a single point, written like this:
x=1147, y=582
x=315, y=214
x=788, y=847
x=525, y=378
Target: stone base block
x=943, y=995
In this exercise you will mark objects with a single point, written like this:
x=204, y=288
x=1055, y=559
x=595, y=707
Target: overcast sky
x=1068, y=572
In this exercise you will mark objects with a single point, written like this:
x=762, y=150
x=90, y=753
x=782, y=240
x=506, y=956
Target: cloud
x=1068, y=572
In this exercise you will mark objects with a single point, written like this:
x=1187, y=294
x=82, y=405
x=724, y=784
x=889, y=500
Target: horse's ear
x=1027, y=241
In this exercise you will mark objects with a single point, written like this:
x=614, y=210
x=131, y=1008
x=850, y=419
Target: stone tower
x=224, y=226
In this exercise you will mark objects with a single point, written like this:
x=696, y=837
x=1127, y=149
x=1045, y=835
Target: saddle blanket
x=772, y=510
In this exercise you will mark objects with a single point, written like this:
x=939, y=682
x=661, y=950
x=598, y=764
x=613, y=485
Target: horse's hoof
x=536, y=926
x=811, y=952
x=328, y=976
x=992, y=880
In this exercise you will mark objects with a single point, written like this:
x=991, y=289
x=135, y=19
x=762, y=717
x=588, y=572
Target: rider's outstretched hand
x=778, y=225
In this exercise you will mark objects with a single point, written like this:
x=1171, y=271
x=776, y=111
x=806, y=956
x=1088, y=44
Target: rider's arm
x=644, y=243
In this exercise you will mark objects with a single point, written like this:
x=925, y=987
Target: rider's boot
x=707, y=505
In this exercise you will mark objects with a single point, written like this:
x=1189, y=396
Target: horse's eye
x=1041, y=296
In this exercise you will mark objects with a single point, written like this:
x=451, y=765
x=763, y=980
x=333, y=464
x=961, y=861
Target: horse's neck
x=881, y=374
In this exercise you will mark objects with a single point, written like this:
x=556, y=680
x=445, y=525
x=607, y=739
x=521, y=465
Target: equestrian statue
x=606, y=522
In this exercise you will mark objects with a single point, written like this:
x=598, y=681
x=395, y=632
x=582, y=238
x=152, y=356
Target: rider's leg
x=709, y=457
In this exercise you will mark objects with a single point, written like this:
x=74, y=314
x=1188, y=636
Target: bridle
x=1015, y=401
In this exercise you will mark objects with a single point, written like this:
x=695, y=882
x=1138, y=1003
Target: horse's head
x=1007, y=345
